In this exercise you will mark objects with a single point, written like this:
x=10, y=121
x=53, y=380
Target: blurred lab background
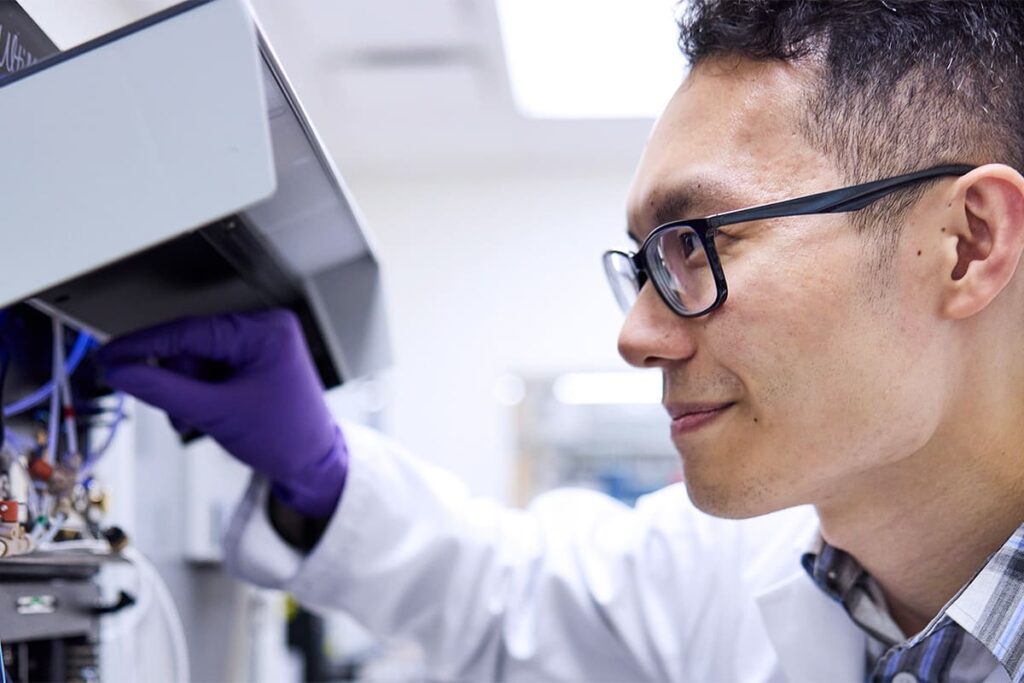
x=489, y=145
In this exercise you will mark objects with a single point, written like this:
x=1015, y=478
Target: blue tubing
x=82, y=344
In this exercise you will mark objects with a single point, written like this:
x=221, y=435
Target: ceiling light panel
x=591, y=58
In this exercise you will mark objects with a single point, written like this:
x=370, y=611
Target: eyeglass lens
x=623, y=278
x=678, y=261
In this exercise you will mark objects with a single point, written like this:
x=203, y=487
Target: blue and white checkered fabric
x=988, y=613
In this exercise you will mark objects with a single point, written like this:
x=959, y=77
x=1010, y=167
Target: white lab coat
x=577, y=588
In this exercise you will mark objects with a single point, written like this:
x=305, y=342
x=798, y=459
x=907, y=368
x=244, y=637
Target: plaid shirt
x=981, y=628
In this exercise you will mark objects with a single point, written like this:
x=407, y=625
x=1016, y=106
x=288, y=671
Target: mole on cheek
x=918, y=252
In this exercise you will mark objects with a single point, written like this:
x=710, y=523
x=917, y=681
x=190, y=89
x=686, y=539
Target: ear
x=988, y=229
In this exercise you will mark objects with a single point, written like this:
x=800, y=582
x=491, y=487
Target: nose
x=654, y=336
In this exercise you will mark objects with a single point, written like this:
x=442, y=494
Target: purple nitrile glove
x=265, y=407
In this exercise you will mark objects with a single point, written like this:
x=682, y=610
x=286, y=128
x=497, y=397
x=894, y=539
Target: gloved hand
x=266, y=407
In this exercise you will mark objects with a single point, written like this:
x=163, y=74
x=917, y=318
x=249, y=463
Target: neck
x=922, y=527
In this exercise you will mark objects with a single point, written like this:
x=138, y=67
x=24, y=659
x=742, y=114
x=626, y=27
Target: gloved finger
x=190, y=367
x=234, y=339
x=213, y=337
x=184, y=399
x=198, y=368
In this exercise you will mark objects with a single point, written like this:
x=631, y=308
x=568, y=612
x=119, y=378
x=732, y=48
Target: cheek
x=781, y=318
x=832, y=373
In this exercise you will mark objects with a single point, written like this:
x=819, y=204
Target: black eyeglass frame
x=842, y=200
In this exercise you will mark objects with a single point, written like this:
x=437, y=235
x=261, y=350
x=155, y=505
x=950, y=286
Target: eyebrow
x=679, y=202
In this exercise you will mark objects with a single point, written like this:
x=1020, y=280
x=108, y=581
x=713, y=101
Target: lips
x=678, y=411
x=690, y=417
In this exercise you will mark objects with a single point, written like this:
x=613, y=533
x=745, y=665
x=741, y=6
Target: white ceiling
x=420, y=86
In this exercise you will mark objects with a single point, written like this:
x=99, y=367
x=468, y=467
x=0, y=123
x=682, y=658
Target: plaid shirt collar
x=990, y=608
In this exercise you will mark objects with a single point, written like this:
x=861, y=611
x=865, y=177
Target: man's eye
x=690, y=244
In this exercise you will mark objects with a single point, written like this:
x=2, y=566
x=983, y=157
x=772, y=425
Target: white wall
x=488, y=274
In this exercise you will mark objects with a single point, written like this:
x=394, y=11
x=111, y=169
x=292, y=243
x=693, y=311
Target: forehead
x=730, y=137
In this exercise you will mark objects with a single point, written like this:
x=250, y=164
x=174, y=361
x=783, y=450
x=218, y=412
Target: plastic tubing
x=56, y=523
x=64, y=385
x=179, y=645
x=53, y=430
x=122, y=623
x=92, y=458
x=81, y=346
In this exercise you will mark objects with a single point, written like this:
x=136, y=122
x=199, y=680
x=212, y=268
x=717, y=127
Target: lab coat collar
x=813, y=636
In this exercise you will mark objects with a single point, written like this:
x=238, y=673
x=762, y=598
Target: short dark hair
x=903, y=84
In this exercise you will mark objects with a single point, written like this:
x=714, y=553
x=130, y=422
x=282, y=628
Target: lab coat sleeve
x=577, y=587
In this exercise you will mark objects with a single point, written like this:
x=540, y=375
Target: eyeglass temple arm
x=837, y=201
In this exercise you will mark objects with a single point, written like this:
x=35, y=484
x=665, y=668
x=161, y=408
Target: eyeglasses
x=681, y=260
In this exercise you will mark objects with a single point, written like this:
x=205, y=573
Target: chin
x=734, y=499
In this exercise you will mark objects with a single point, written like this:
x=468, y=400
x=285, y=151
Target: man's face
x=833, y=364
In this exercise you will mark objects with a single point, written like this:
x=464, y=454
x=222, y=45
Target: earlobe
x=990, y=238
